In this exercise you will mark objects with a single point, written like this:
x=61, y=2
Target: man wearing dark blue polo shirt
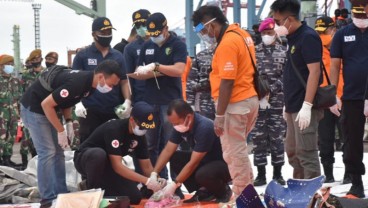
x=203, y=169
x=161, y=63
x=132, y=51
x=350, y=48
x=304, y=55
x=99, y=108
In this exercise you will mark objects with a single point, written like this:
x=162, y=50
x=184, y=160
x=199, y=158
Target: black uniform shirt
x=114, y=137
x=69, y=86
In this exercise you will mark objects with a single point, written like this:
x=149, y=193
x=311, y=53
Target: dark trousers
x=93, y=119
x=327, y=137
x=353, y=120
x=95, y=165
x=213, y=175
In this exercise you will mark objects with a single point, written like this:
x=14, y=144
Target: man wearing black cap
x=349, y=48
x=100, y=156
x=39, y=107
x=100, y=107
x=132, y=51
x=161, y=63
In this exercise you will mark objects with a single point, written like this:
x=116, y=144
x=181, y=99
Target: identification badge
x=350, y=38
x=150, y=51
x=92, y=61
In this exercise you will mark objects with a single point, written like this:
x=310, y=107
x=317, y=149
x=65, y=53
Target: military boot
x=277, y=174
x=357, y=188
x=24, y=161
x=9, y=163
x=261, y=177
x=328, y=169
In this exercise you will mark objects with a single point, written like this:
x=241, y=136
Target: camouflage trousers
x=8, y=130
x=268, y=137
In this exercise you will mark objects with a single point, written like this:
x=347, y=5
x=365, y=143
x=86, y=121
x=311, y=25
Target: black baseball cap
x=142, y=113
x=155, y=24
x=140, y=16
x=101, y=23
x=322, y=23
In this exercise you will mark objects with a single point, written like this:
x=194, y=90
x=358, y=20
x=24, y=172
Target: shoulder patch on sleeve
x=64, y=93
x=115, y=143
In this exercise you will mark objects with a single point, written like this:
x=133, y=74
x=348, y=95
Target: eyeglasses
x=200, y=26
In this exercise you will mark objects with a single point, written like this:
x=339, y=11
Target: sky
x=63, y=29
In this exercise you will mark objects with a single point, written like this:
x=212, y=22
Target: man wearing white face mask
x=270, y=127
x=39, y=106
x=10, y=92
x=100, y=107
x=161, y=64
x=304, y=56
x=349, y=48
x=203, y=169
x=99, y=157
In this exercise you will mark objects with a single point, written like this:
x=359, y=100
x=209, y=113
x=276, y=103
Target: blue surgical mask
x=8, y=69
x=142, y=31
x=159, y=39
x=104, y=88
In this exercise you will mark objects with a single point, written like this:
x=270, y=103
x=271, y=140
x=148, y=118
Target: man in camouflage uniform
x=198, y=85
x=270, y=126
x=29, y=75
x=9, y=111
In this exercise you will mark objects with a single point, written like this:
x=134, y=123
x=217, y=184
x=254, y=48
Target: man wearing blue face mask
x=100, y=107
x=203, y=169
x=161, y=64
x=100, y=156
x=10, y=91
x=39, y=106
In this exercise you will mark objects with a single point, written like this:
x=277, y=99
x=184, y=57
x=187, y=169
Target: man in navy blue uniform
x=100, y=156
x=39, y=107
x=304, y=56
x=349, y=48
x=99, y=108
x=203, y=169
x=132, y=51
x=161, y=63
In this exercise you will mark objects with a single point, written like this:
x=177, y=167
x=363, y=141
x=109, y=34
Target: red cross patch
x=115, y=143
x=64, y=93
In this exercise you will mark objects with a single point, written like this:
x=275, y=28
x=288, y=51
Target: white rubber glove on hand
x=145, y=69
x=218, y=124
x=162, y=182
x=366, y=108
x=169, y=189
x=70, y=131
x=80, y=110
x=284, y=113
x=154, y=185
x=123, y=110
x=153, y=176
x=63, y=139
x=304, y=115
x=264, y=104
x=335, y=109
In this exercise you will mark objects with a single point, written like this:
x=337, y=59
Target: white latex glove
x=154, y=185
x=284, y=113
x=145, y=69
x=218, y=125
x=335, y=109
x=162, y=182
x=264, y=104
x=63, y=139
x=70, y=131
x=80, y=110
x=169, y=189
x=123, y=110
x=153, y=176
x=366, y=108
x=304, y=115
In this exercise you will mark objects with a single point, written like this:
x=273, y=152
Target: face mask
x=142, y=31
x=103, y=89
x=139, y=132
x=268, y=39
x=104, y=41
x=282, y=30
x=8, y=69
x=36, y=64
x=360, y=23
x=182, y=128
x=49, y=64
x=159, y=39
x=29, y=66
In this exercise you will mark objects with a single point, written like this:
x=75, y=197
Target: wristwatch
x=157, y=65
